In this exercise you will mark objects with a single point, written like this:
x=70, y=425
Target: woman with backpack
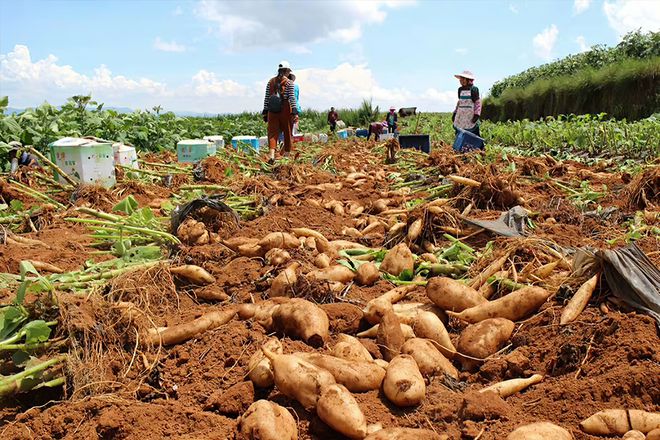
x=280, y=110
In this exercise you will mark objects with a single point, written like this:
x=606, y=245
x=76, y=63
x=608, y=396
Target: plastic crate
x=362, y=133
x=420, y=142
x=245, y=143
x=466, y=141
x=194, y=150
x=125, y=155
x=342, y=134
x=87, y=160
x=218, y=140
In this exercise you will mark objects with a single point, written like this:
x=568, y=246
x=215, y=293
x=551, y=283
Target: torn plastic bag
x=198, y=172
x=630, y=275
x=510, y=224
x=180, y=213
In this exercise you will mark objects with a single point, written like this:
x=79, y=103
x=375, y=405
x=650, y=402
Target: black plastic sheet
x=629, y=273
x=180, y=213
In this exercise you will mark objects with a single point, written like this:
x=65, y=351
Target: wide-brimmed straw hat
x=465, y=74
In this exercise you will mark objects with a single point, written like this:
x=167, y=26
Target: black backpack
x=276, y=97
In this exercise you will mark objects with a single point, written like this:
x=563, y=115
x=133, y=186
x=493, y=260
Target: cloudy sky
x=216, y=55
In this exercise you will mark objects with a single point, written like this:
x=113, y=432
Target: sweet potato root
x=403, y=384
x=265, y=420
x=297, y=378
x=449, y=294
x=303, y=319
x=339, y=410
x=188, y=330
x=540, y=431
x=428, y=358
x=357, y=376
x=620, y=421
x=514, y=306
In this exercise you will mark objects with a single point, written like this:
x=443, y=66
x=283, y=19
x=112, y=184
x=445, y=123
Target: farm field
x=96, y=342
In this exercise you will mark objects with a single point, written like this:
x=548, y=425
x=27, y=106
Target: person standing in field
x=280, y=109
x=468, y=108
x=333, y=117
x=392, y=120
x=296, y=92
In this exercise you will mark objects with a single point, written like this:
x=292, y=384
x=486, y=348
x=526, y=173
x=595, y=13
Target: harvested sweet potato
x=403, y=384
x=337, y=273
x=234, y=242
x=283, y=283
x=579, y=301
x=428, y=325
x=540, y=431
x=484, y=338
x=633, y=435
x=259, y=367
x=350, y=348
x=377, y=307
x=282, y=240
x=303, y=319
x=620, y=421
x=339, y=410
x=357, y=376
x=193, y=274
x=428, y=358
x=452, y=295
x=407, y=312
x=277, y=257
x=404, y=434
x=372, y=332
x=297, y=378
x=251, y=250
x=188, y=330
x=514, y=306
x=265, y=420
x=367, y=274
x=398, y=259
x=653, y=435
x=322, y=261
x=509, y=387
x=390, y=337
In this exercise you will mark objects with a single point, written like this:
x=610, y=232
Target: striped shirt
x=288, y=95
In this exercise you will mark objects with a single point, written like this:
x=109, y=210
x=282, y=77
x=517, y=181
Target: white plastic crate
x=89, y=161
x=218, y=140
x=125, y=155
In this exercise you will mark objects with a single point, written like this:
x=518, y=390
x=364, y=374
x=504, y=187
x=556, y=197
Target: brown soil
x=118, y=387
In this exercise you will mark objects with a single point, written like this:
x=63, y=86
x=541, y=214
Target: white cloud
x=579, y=6
x=625, y=15
x=171, y=46
x=177, y=11
x=28, y=82
x=513, y=8
x=252, y=24
x=461, y=50
x=582, y=43
x=544, y=43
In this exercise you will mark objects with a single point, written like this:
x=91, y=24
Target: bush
x=634, y=45
x=627, y=89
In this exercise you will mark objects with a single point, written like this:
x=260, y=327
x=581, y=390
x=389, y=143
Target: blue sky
x=215, y=56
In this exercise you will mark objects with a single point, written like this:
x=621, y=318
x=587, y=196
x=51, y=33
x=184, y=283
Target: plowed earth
x=117, y=388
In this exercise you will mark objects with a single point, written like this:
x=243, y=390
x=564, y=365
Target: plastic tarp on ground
x=510, y=224
x=180, y=213
x=630, y=275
